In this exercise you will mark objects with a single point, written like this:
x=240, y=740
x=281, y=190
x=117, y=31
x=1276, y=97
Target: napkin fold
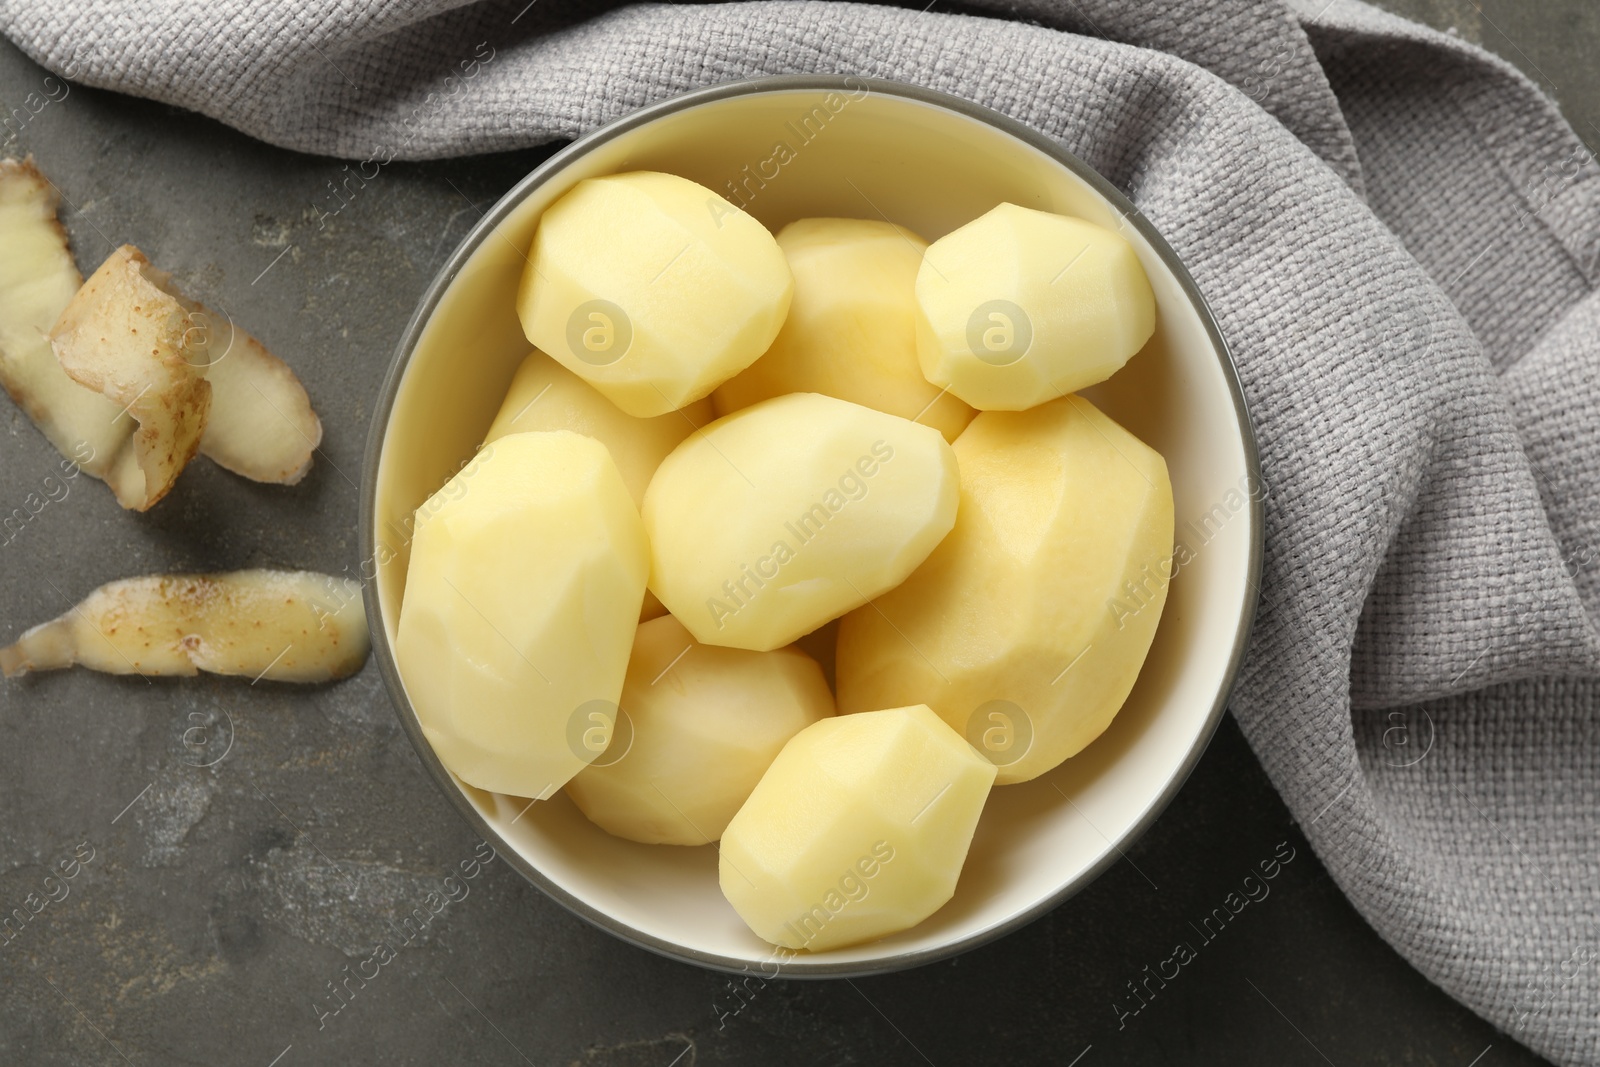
x=1398, y=234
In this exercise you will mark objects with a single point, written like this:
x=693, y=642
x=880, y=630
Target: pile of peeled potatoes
x=796, y=543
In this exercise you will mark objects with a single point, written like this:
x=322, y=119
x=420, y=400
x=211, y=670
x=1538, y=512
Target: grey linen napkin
x=1398, y=234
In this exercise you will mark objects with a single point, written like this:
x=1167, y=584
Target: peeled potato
x=652, y=288
x=704, y=723
x=544, y=395
x=1026, y=628
x=858, y=830
x=1019, y=307
x=789, y=513
x=851, y=331
x=284, y=626
x=526, y=575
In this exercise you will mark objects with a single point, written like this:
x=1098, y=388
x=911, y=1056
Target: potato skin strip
x=284, y=626
x=129, y=337
x=261, y=425
x=116, y=387
x=38, y=279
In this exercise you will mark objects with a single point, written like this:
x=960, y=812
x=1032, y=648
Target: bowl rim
x=795, y=965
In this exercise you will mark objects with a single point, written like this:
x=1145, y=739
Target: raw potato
x=852, y=329
x=652, y=288
x=523, y=591
x=37, y=281
x=284, y=626
x=544, y=395
x=858, y=830
x=789, y=513
x=706, y=723
x=127, y=336
x=1019, y=307
x=1026, y=628
x=261, y=424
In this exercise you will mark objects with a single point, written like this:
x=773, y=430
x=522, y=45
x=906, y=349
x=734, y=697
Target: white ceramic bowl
x=867, y=149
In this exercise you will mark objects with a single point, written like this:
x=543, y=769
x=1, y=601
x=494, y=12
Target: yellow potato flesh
x=703, y=724
x=523, y=591
x=544, y=395
x=851, y=330
x=1026, y=628
x=858, y=830
x=652, y=288
x=1019, y=307
x=791, y=512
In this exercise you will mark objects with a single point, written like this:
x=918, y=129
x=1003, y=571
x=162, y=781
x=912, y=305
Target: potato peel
x=286, y=626
x=37, y=281
x=127, y=335
x=261, y=426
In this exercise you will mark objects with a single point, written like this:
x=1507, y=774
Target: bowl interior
x=785, y=151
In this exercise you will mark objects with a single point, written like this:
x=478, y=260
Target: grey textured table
x=250, y=842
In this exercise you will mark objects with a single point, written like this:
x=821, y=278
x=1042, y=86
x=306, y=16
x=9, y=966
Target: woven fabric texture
x=1398, y=235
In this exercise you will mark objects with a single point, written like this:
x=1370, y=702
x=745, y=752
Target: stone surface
x=221, y=900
